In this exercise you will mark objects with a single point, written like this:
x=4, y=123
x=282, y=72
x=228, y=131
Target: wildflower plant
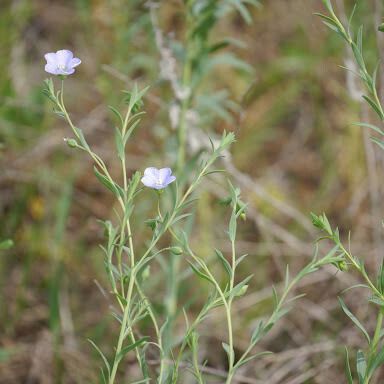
x=127, y=263
x=368, y=359
x=367, y=77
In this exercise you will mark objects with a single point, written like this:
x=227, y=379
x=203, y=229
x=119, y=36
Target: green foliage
x=369, y=79
x=372, y=358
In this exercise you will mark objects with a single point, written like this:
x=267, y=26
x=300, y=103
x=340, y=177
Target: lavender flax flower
x=157, y=178
x=61, y=63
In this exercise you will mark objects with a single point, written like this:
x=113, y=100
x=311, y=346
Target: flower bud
x=243, y=290
x=341, y=266
x=146, y=272
x=176, y=250
x=72, y=143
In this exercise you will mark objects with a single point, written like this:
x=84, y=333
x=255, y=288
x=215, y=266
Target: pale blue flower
x=61, y=63
x=157, y=178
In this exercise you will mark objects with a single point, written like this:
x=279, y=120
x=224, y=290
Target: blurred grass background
x=297, y=151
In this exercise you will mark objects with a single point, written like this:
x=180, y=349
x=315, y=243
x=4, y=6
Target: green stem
x=229, y=314
x=186, y=99
x=357, y=266
x=376, y=336
x=174, y=264
x=375, y=343
x=157, y=331
x=123, y=329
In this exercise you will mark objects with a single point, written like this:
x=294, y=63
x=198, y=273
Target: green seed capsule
x=176, y=250
x=72, y=143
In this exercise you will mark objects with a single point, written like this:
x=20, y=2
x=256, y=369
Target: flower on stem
x=61, y=63
x=157, y=178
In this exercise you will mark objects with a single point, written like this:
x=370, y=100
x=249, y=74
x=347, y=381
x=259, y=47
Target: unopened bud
x=243, y=290
x=146, y=272
x=72, y=143
x=341, y=266
x=176, y=250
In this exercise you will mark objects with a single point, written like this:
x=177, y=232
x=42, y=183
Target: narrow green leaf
x=348, y=372
x=377, y=141
x=102, y=356
x=224, y=262
x=199, y=273
x=374, y=106
x=275, y=296
x=371, y=126
x=107, y=183
x=130, y=347
x=119, y=144
x=241, y=258
x=253, y=357
x=354, y=319
x=232, y=227
x=117, y=114
x=376, y=300
x=328, y=21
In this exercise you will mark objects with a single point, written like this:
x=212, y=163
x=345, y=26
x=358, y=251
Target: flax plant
x=127, y=265
x=369, y=359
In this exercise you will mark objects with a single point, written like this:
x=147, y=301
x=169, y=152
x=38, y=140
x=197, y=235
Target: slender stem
x=174, y=262
x=123, y=329
x=186, y=99
x=357, y=266
x=375, y=343
x=157, y=331
x=229, y=314
x=376, y=336
x=96, y=158
x=196, y=366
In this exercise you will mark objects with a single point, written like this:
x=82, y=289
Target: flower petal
x=68, y=71
x=148, y=181
x=164, y=174
x=74, y=62
x=171, y=179
x=64, y=57
x=51, y=69
x=51, y=58
x=152, y=172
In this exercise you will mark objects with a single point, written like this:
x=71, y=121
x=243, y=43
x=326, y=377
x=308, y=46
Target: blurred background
x=292, y=109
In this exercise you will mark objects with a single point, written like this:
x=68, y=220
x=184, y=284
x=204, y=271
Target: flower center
x=61, y=66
